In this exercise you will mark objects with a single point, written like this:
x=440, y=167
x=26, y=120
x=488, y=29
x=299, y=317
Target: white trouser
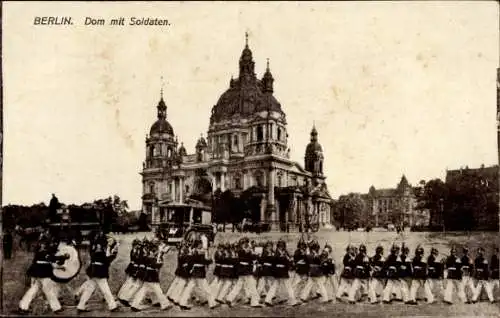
x=454, y=284
x=48, y=287
x=429, y=286
x=374, y=285
x=479, y=287
x=319, y=282
x=156, y=289
x=405, y=284
x=416, y=284
x=392, y=286
x=297, y=279
x=127, y=285
x=202, y=284
x=495, y=283
x=225, y=288
x=333, y=281
x=216, y=285
x=344, y=286
x=249, y=285
x=263, y=281
x=358, y=284
x=177, y=290
x=128, y=292
x=89, y=289
x=281, y=282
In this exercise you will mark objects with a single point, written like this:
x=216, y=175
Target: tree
x=350, y=211
x=431, y=196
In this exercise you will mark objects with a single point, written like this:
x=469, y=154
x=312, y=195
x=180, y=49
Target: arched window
x=259, y=179
x=237, y=182
x=279, y=134
x=260, y=133
x=169, y=152
x=271, y=129
x=151, y=151
x=235, y=142
x=152, y=188
x=156, y=150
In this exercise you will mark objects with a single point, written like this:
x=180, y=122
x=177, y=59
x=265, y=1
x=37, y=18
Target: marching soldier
x=103, y=251
x=246, y=279
x=40, y=272
x=481, y=274
x=216, y=283
x=378, y=274
x=405, y=274
x=199, y=262
x=228, y=274
x=131, y=285
x=328, y=267
x=467, y=270
x=316, y=276
x=494, y=269
x=301, y=265
x=282, y=262
x=266, y=275
x=435, y=274
x=419, y=274
x=151, y=281
x=347, y=276
x=182, y=274
x=391, y=266
x=453, y=278
x=361, y=273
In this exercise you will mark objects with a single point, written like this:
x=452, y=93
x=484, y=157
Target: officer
x=419, y=274
x=435, y=274
x=40, y=272
x=199, y=262
x=481, y=274
x=282, y=263
x=453, y=266
x=391, y=266
x=347, y=276
x=361, y=273
x=154, y=262
x=103, y=251
x=377, y=279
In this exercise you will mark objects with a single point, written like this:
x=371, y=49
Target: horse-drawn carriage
x=178, y=222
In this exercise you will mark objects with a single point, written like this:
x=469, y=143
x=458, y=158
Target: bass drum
x=67, y=269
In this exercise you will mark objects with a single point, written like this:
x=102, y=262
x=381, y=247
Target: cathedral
x=245, y=151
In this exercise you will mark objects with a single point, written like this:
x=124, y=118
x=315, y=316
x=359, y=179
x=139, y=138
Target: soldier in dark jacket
x=281, y=266
x=228, y=274
x=267, y=273
x=391, y=268
x=435, y=274
x=467, y=271
x=300, y=263
x=154, y=262
x=453, y=267
x=182, y=273
x=216, y=283
x=246, y=280
x=347, y=276
x=481, y=274
x=419, y=274
x=377, y=279
x=131, y=285
x=40, y=272
x=361, y=273
x=316, y=276
x=494, y=269
x=199, y=263
x=103, y=251
x=405, y=273
x=328, y=267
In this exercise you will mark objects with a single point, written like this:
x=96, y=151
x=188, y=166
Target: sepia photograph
x=276, y=159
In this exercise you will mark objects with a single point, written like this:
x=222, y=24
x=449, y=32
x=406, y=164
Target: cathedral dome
x=246, y=95
x=161, y=126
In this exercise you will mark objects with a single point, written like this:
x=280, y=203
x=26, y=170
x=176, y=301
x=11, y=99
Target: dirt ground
x=14, y=279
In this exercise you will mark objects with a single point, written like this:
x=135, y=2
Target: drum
x=68, y=264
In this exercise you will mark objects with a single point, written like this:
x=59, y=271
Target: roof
x=161, y=126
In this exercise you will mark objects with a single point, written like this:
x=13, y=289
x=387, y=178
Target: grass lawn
x=14, y=279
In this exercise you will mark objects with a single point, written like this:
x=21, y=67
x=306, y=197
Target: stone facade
x=246, y=150
x=386, y=205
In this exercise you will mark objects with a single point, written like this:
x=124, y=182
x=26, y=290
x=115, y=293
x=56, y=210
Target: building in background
x=394, y=206
x=246, y=151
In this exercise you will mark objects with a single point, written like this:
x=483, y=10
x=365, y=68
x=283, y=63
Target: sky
x=393, y=88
